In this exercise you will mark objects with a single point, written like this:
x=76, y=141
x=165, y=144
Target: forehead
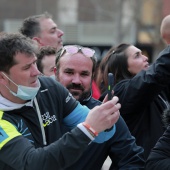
x=131, y=50
x=47, y=24
x=76, y=61
x=49, y=59
x=23, y=59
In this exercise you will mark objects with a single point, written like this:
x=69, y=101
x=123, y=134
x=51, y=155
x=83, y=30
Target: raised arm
x=136, y=93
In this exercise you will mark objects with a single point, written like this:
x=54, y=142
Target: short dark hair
x=10, y=45
x=44, y=51
x=31, y=25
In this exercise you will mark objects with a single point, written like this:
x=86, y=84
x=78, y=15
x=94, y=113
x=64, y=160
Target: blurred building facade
x=95, y=23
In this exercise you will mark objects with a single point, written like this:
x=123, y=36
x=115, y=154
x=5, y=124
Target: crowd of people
x=49, y=118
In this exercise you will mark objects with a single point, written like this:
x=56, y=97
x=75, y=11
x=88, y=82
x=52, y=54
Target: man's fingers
x=111, y=103
x=106, y=97
x=114, y=117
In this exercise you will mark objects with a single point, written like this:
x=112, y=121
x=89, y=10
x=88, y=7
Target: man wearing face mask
x=33, y=108
x=23, y=92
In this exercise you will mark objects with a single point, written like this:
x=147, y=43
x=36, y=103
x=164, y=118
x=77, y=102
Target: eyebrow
x=86, y=72
x=53, y=28
x=138, y=52
x=28, y=65
x=70, y=69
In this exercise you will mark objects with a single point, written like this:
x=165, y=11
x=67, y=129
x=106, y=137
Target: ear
x=37, y=40
x=3, y=79
x=55, y=70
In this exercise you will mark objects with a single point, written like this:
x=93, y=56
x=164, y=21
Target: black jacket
x=143, y=100
x=121, y=148
x=26, y=143
x=159, y=157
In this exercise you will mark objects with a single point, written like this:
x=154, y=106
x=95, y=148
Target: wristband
x=90, y=129
x=85, y=131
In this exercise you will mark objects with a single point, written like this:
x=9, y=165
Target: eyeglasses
x=73, y=49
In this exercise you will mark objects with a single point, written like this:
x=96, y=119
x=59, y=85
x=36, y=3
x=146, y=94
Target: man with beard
x=45, y=32
x=75, y=67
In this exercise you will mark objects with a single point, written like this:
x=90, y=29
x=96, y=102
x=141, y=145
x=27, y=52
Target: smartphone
x=110, y=85
x=109, y=91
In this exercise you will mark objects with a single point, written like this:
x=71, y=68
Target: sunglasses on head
x=73, y=49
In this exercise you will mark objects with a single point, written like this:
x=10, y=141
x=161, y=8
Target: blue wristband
x=105, y=136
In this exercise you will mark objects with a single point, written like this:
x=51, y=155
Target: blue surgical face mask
x=24, y=92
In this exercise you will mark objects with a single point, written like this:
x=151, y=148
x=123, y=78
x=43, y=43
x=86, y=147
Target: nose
x=60, y=33
x=35, y=71
x=145, y=58
x=76, y=79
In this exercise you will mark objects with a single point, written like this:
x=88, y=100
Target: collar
x=7, y=105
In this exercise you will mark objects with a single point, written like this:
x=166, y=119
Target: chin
x=76, y=97
x=59, y=47
x=146, y=68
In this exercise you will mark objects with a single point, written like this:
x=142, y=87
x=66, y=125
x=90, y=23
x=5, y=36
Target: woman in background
x=141, y=90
